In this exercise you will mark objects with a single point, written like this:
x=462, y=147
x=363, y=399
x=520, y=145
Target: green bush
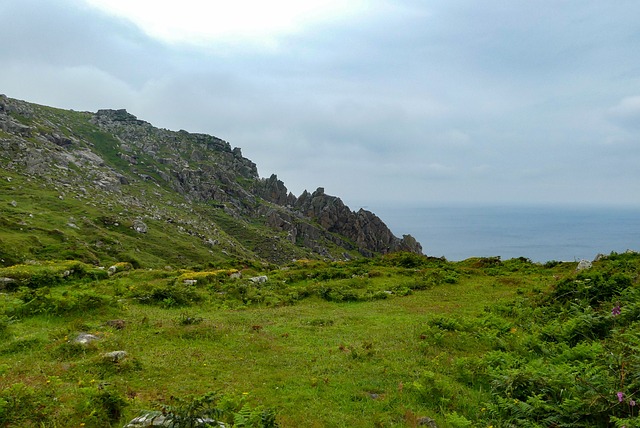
x=434, y=390
x=21, y=405
x=576, y=361
x=186, y=413
x=166, y=294
x=5, y=321
x=405, y=260
x=591, y=287
x=48, y=274
x=43, y=301
x=20, y=345
x=103, y=406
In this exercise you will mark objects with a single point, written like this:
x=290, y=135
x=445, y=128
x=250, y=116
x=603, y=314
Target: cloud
x=224, y=22
x=405, y=101
x=79, y=87
x=627, y=113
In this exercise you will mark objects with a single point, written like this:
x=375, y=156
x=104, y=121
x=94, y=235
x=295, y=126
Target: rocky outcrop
x=122, y=116
x=111, y=158
x=273, y=190
x=367, y=230
x=330, y=219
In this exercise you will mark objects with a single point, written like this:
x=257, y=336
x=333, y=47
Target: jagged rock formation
x=365, y=229
x=188, y=184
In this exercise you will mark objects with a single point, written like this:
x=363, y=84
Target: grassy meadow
x=396, y=341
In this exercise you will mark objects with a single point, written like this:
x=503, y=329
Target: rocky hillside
x=107, y=186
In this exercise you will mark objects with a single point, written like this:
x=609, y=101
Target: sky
x=380, y=102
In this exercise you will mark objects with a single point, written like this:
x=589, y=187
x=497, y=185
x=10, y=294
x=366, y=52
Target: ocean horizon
x=538, y=232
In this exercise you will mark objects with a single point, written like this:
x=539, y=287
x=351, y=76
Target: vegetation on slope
x=108, y=187
x=401, y=340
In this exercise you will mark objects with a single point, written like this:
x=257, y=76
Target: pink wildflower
x=616, y=311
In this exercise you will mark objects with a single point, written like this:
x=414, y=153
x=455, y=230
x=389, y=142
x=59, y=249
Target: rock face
x=111, y=158
x=367, y=230
x=363, y=228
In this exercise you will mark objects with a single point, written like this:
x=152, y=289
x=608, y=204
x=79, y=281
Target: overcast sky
x=377, y=101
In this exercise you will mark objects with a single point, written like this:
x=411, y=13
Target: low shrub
x=5, y=321
x=166, y=294
x=573, y=364
x=434, y=390
x=205, y=277
x=213, y=408
x=43, y=301
x=20, y=345
x=22, y=405
x=102, y=406
x=405, y=260
x=48, y=274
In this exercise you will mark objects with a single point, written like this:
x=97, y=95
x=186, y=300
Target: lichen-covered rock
x=427, y=422
x=115, y=356
x=157, y=419
x=85, y=338
x=140, y=227
x=583, y=265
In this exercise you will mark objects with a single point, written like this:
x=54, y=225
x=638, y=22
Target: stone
x=4, y=281
x=583, y=265
x=212, y=242
x=59, y=140
x=259, y=279
x=426, y=421
x=157, y=419
x=85, y=338
x=117, y=324
x=139, y=226
x=190, y=281
x=115, y=356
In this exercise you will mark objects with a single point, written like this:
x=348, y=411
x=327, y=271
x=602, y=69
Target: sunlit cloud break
x=240, y=21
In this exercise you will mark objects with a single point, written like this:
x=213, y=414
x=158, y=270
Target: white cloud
x=206, y=21
x=627, y=112
x=77, y=87
x=372, y=100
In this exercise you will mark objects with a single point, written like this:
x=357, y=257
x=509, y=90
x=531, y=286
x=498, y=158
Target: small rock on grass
x=115, y=356
x=85, y=338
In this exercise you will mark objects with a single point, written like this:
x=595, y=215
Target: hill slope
x=106, y=186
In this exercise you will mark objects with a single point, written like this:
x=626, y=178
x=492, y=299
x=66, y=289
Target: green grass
x=316, y=361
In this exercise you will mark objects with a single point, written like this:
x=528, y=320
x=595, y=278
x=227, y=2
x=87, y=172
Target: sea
x=537, y=232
